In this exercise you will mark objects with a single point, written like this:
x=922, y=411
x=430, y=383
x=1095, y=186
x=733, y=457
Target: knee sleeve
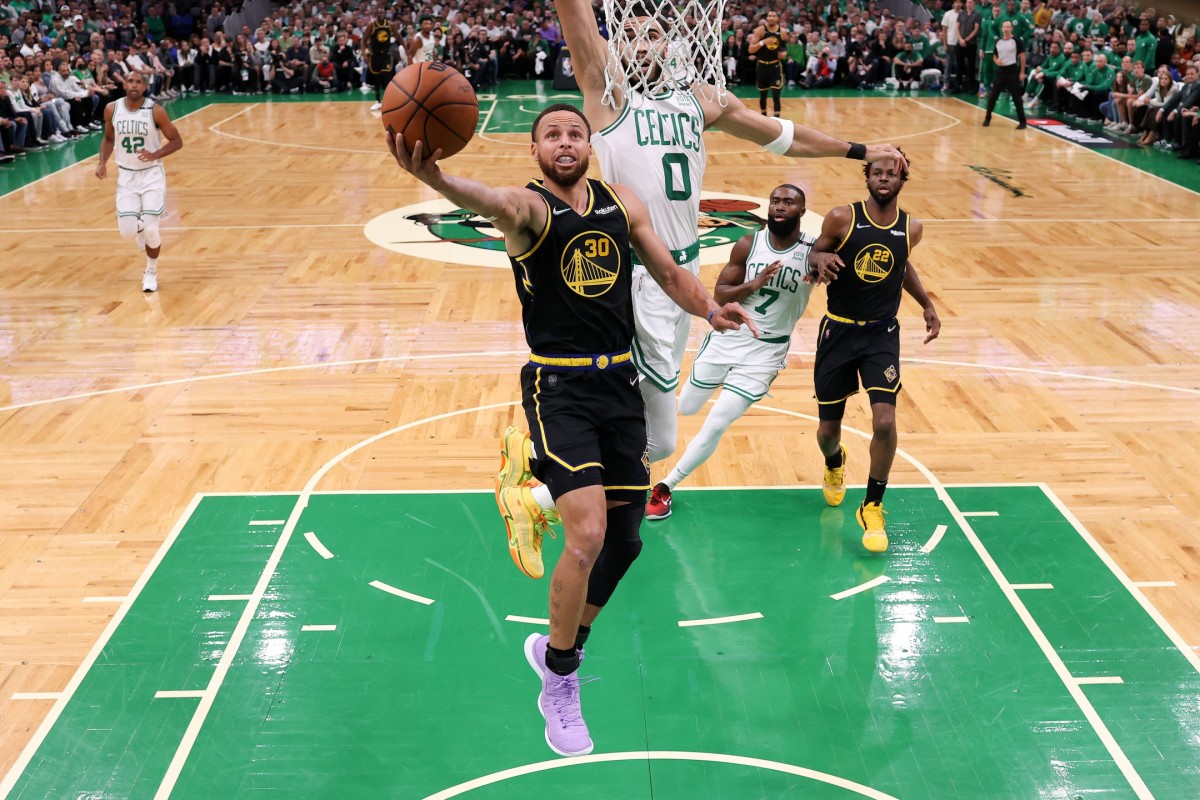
x=661, y=424
x=622, y=544
x=153, y=238
x=128, y=226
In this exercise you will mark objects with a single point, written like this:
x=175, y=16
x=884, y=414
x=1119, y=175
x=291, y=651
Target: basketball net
x=679, y=43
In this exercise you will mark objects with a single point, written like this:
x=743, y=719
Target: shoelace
x=564, y=692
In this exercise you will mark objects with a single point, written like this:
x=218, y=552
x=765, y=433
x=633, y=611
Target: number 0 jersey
x=575, y=282
x=134, y=131
x=656, y=148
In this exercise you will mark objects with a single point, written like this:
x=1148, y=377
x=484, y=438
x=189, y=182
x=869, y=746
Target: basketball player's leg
x=661, y=334
x=602, y=514
x=835, y=379
x=709, y=370
x=730, y=406
x=154, y=204
x=880, y=372
x=746, y=369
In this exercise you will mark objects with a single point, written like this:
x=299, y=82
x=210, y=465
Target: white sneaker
x=150, y=281
x=376, y=106
x=365, y=89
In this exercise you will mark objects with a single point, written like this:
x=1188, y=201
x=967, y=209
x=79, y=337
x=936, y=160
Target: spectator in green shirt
x=1096, y=82
x=1062, y=87
x=1045, y=74
x=988, y=33
x=1147, y=43
x=155, y=26
x=1078, y=23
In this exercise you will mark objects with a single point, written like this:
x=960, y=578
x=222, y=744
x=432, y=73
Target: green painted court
x=370, y=646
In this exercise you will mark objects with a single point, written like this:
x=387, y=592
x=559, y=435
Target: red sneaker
x=659, y=504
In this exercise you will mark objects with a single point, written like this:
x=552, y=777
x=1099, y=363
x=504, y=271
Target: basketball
x=433, y=103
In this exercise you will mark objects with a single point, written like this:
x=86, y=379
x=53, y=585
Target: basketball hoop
x=656, y=44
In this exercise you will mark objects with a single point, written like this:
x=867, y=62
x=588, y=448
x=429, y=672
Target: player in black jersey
x=379, y=58
x=862, y=256
x=768, y=44
x=569, y=241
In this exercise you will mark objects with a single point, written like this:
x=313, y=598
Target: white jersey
x=427, y=51
x=135, y=131
x=776, y=307
x=656, y=148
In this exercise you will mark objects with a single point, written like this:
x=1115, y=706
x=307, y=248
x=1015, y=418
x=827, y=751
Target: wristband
x=710, y=315
x=858, y=152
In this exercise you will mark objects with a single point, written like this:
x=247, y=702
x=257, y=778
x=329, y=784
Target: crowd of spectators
x=62, y=63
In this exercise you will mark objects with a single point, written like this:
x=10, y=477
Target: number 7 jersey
x=656, y=148
x=135, y=131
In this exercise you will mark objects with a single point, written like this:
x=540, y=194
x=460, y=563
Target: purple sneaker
x=566, y=732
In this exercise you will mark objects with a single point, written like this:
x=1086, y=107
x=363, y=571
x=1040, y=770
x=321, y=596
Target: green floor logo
x=440, y=231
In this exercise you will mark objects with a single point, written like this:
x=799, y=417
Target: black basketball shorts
x=847, y=352
x=770, y=75
x=588, y=428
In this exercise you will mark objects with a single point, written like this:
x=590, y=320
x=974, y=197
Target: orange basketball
x=433, y=103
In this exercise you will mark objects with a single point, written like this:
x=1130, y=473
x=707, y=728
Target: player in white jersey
x=651, y=141
x=422, y=45
x=765, y=273
x=136, y=127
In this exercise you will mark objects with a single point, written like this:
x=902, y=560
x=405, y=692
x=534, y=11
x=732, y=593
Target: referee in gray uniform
x=1010, y=74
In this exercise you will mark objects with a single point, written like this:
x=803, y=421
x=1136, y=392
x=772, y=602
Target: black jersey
x=379, y=41
x=772, y=46
x=575, y=282
x=868, y=287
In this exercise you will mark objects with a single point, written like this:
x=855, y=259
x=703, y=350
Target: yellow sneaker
x=526, y=525
x=870, y=517
x=834, y=482
x=515, y=452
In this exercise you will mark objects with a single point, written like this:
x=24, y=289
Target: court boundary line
x=1115, y=751
x=39, y=736
x=662, y=755
x=1180, y=643
x=498, y=353
x=1098, y=152
x=86, y=159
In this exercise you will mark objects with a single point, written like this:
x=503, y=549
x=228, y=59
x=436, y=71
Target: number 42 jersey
x=135, y=131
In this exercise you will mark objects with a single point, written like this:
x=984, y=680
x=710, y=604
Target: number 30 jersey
x=656, y=148
x=575, y=282
x=134, y=131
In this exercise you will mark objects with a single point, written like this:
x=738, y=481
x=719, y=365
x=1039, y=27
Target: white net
x=653, y=44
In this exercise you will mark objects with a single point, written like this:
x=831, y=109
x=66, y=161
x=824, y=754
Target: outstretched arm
x=516, y=212
x=589, y=53
x=680, y=285
x=738, y=119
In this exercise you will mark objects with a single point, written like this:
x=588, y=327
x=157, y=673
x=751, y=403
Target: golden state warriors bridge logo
x=438, y=230
x=591, y=263
x=874, y=263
